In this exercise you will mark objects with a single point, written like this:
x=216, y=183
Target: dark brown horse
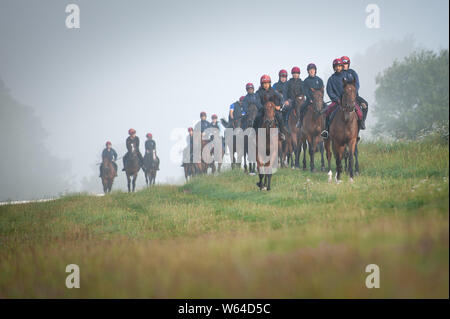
x=266, y=167
x=131, y=169
x=108, y=175
x=311, y=129
x=292, y=145
x=150, y=167
x=247, y=122
x=343, y=131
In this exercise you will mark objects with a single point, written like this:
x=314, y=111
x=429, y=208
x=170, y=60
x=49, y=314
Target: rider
x=111, y=154
x=203, y=124
x=311, y=82
x=267, y=94
x=190, y=146
x=362, y=102
x=335, y=88
x=236, y=109
x=251, y=98
x=294, y=89
x=150, y=146
x=131, y=141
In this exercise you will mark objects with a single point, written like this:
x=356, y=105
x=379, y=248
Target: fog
x=154, y=65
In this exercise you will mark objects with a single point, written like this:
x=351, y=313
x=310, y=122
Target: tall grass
x=221, y=237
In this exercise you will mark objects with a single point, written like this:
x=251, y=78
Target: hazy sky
x=154, y=65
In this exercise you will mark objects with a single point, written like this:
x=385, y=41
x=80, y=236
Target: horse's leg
x=322, y=161
x=269, y=178
x=339, y=154
x=105, y=187
x=128, y=182
x=259, y=184
x=312, y=150
x=352, y=148
x=356, y=160
x=134, y=181
x=304, y=154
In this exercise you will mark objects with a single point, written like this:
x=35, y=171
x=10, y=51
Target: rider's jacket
x=202, y=125
x=109, y=154
x=251, y=99
x=354, y=75
x=269, y=95
x=311, y=82
x=335, y=87
x=150, y=146
x=238, y=110
x=132, y=141
x=294, y=88
x=281, y=87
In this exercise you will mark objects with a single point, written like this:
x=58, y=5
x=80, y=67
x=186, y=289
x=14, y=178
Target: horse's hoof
x=264, y=188
x=258, y=184
x=357, y=173
x=351, y=180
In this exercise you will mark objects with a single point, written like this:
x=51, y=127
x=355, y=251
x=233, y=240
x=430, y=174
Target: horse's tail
x=224, y=123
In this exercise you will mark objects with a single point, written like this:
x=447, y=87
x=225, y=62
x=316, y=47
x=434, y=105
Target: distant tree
x=27, y=169
x=412, y=95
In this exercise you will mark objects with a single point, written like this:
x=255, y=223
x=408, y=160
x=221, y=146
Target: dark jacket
x=281, y=87
x=238, y=110
x=309, y=83
x=294, y=88
x=202, y=125
x=150, y=145
x=251, y=99
x=353, y=75
x=131, y=142
x=269, y=95
x=335, y=87
x=109, y=154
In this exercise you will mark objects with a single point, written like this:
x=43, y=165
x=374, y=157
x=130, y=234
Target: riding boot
x=280, y=124
x=100, y=171
x=364, y=110
x=115, y=166
x=324, y=133
x=124, y=163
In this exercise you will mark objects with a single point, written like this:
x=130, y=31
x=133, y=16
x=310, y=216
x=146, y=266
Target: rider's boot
x=324, y=133
x=100, y=171
x=124, y=163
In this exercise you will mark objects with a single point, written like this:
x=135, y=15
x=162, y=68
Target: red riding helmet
x=131, y=131
x=241, y=98
x=282, y=73
x=108, y=143
x=295, y=69
x=249, y=86
x=345, y=60
x=190, y=129
x=202, y=114
x=311, y=66
x=337, y=62
x=265, y=79
x=214, y=116
x=149, y=135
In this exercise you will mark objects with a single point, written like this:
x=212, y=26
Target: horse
x=311, y=128
x=234, y=124
x=132, y=168
x=343, y=131
x=265, y=169
x=150, y=168
x=108, y=174
x=292, y=145
x=247, y=122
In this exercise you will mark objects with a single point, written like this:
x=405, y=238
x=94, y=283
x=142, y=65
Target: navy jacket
x=294, y=88
x=130, y=142
x=335, y=86
x=150, y=145
x=202, y=125
x=111, y=154
x=251, y=99
x=309, y=83
x=269, y=95
x=353, y=75
x=281, y=87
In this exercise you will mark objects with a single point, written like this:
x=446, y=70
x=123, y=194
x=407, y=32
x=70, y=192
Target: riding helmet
x=282, y=73
x=265, y=79
x=311, y=66
x=345, y=60
x=295, y=69
x=249, y=86
x=131, y=131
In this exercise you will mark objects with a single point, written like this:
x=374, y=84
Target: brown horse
x=265, y=167
x=292, y=145
x=343, y=131
x=131, y=169
x=311, y=128
x=150, y=167
x=108, y=175
x=247, y=122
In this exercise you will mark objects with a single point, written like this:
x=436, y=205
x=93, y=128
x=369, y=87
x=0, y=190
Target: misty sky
x=154, y=65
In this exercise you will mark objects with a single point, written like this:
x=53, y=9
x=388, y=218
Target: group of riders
x=284, y=94
x=132, y=144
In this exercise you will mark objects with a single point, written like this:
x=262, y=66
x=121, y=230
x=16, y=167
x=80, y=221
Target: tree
x=412, y=95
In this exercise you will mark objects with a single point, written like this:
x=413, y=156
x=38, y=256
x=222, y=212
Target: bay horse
x=150, y=168
x=108, y=175
x=343, y=131
x=312, y=127
x=131, y=169
x=247, y=122
x=234, y=124
x=265, y=168
x=292, y=145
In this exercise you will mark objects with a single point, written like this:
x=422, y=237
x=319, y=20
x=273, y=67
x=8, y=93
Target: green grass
x=219, y=237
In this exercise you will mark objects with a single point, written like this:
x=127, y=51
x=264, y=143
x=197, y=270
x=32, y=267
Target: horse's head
x=269, y=114
x=298, y=103
x=252, y=112
x=349, y=96
x=317, y=100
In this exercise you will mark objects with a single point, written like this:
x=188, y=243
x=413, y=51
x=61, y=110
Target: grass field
x=218, y=237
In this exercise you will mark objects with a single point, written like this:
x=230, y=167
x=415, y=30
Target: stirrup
x=324, y=134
